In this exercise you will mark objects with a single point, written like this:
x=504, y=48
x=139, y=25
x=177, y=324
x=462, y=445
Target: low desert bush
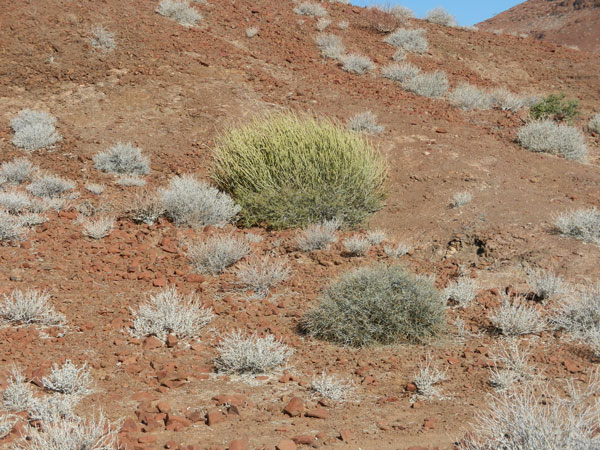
x=68, y=379
x=355, y=63
x=310, y=9
x=17, y=395
x=14, y=202
x=467, y=97
x=506, y=100
x=7, y=422
x=426, y=379
x=216, y=253
x=98, y=227
x=252, y=31
x=555, y=107
x=331, y=46
x=50, y=186
x=581, y=224
x=594, y=124
x=103, y=39
x=130, y=180
x=379, y=18
x=549, y=137
x=11, y=227
x=511, y=366
x=462, y=291
x=400, y=72
x=318, y=236
x=95, y=188
x=396, y=251
x=343, y=25
x=122, y=159
x=402, y=12
x=146, y=207
x=169, y=312
x=195, y=203
x=356, y=245
x=261, y=274
x=34, y=130
x=524, y=420
x=460, y=199
x=410, y=40
x=252, y=354
x=441, y=17
x=365, y=122
x=580, y=315
x=514, y=319
x=545, y=285
x=376, y=237
x=331, y=387
x=286, y=171
x=377, y=305
x=17, y=171
x=53, y=409
x=28, y=307
x=323, y=23
x=432, y=85
x=180, y=11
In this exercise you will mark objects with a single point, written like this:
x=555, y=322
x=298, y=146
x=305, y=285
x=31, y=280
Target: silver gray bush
x=400, y=72
x=545, y=285
x=594, y=124
x=331, y=387
x=355, y=63
x=11, y=227
x=261, y=274
x=364, y=122
x=68, y=379
x=440, y=16
x=122, y=159
x=17, y=171
x=102, y=38
x=50, y=186
x=410, y=40
x=462, y=291
x=506, y=100
x=27, y=307
x=34, y=130
x=318, y=236
x=310, y=9
x=14, y=202
x=549, y=137
x=356, y=245
x=581, y=224
x=217, y=253
x=430, y=85
x=180, y=11
x=513, y=319
x=331, y=46
x=468, y=97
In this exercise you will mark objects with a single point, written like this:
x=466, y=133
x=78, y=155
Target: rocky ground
x=171, y=90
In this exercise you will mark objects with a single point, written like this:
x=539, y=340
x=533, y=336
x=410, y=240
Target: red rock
x=346, y=435
x=238, y=444
x=214, y=416
x=130, y=426
x=411, y=387
x=159, y=282
x=382, y=425
x=317, y=413
x=303, y=439
x=170, y=444
x=417, y=405
x=286, y=444
x=417, y=448
x=295, y=407
x=172, y=340
x=151, y=342
x=196, y=416
x=147, y=439
x=429, y=423
x=195, y=278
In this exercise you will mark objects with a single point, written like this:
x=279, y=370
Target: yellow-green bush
x=289, y=171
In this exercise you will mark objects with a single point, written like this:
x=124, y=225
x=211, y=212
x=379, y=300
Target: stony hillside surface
x=172, y=91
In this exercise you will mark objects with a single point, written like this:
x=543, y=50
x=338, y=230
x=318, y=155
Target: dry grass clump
x=252, y=31
x=377, y=305
x=549, y=137
x=323, y=23
x=216, y=254
x=402, y=12
x=546, y=286
x=376, y=237
x=318, y=236
x=514, y=319
x=17, y=171
x=102, y=38
x=169, y=312
x=468, y=97
x=252, y=354
x=440, y=16
x=68, y=379
x=426, y=379
x=365, y=122
x=95, y=188
x=356, y=245
x=462, y=291
x=130, y=180
x=380, y=19
x=506, y=100
x=261, y=274
x=396, y=251
x=594, y=124
x=331, y=46
x=400, y=72
x=331, y=387
x=310, y=9
x=286, y=171
x=461, y=199
x=15, y=202
x=11, y=227
x=431, y=85
x=511, y=366
x=146, y=207
x=29, y=307
x=122, y=159
x=98, y=227
x=195, y=203
x=34, y=130
x=410, y=40
x=355, y=63
x=581, y=224
x=180, y=11
x=50, y=186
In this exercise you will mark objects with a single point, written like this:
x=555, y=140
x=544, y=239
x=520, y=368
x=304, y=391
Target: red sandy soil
x=568, y=22
x=171, y=90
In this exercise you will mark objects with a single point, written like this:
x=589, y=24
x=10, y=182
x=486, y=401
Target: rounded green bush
x=377, y=305
x=288, y=171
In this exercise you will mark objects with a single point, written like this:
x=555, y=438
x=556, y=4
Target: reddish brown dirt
x=573, y=23
x=171, y=90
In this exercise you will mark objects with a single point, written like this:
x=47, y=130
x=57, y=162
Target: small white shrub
x=52, y=409
x=180, y=11
x=397, y=251
x=441, y=17
x=376, y=237
x=331, y=46
x=17, y=171
x=581, y=224
x=513, y=319
x=355, y=63
x=410, y=40
x=195, y=203
x=102, y=38
x=356, y=245
x=252, y=31
x=7, y=422
x=146, y=208
x=318, y=236
x=545, y=285
x=426, y=379
x=547, y=136
x=580, y=317
x=11, y=227
x=331, y=387
x=400, y=72
x=14, y=202
x=364, y=122
x=310, y=9
x=468, y=97
x=252, y=354
x=122, y=159
x=31, y=219
x=594, y=124
x=216, y=253
x=261, y=274
x=343, y=25
x=27, y=307
x=461, y=199
x=94, y=188
x=462, y=291
x=323, y=23
x=130, y=180
x=506, y=100
x=431, y=85
x=17, y=395
x=50, y=186
x=34, y=130
x=511, y=366
x=402, y=12
x=69, y=379
x=99, y=227
x=170, y=312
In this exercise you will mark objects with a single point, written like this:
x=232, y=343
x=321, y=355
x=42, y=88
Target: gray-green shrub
x=331, y=46
x=594, y=124
x=549, y=137
x=582, y=224
x=410, y=40
x=122, y=159
x=468, y=97
x=180, y=11
x=355, y=63
x=34, y=130
x=400, y=72
x=440, y=16
x=432, y=85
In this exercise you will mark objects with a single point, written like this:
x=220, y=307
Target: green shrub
x=377, y=305
x=555, y=107
x=286, y=171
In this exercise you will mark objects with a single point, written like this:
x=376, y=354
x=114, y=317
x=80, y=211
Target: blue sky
x=467, y=12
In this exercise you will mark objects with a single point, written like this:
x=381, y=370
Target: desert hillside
x=573, y=23
x=101, y=253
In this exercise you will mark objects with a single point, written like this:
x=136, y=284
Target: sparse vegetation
x=11, y=228
x=95, y=188
x=323, y=23
x=511, y=366
x=14, y=202
x=402, y=12
x=467, y=97
x=50, y=186
x=331, y=387
x=252, y=354
x=555, y=107
x=400, y=72
x=130, y=180
x=252, y=31
x=146, y=208
x=17, y=171
x=410, y=40
x=377, y=305
x=365, y=122
x=102, y=38
x=432, y=85
x=461, y=199
x=356, y=245
x=98, y=227
x=594, y=124
x=261, y=274
x=34, y=130
x=514, y=319
x=380, y=19
x=581, y=224
x=194, y=203
x=462, y=291
x=318, y=236
x=310, y=9
x=217, y=253
x=29, y=307
x=545, y=285
x=426, y=379
x=343, y=25
x=331, y=46
x=180, y=11
x=68, y=379
x=355, y=63
x=123, y=159
x=17, y=395
x=440, y=16
x=397, y=251
x=287, y=171
x=549, y=137
x=169, y=312
x=376, y=237
x=506, y=100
